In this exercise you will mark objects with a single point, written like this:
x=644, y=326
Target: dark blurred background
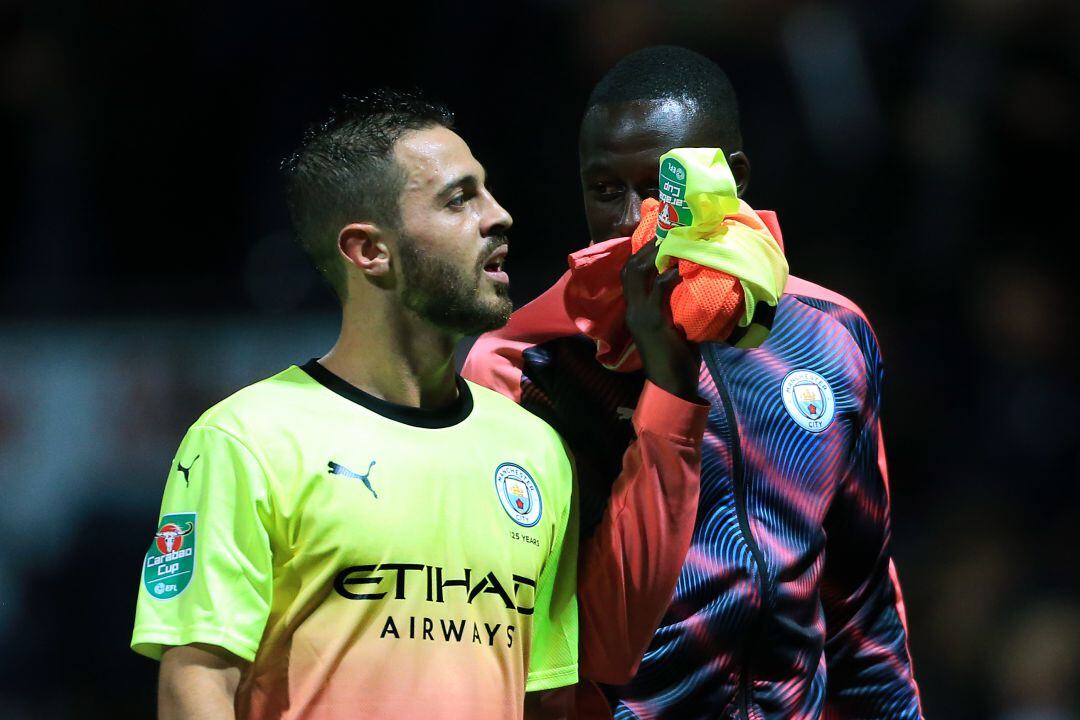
x=922, y=157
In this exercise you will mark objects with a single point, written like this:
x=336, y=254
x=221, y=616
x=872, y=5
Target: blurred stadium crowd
x=921, y=155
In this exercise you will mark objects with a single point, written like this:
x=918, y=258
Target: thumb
x=666, y=282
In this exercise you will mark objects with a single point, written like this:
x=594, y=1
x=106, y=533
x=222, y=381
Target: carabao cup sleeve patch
x=170, y=561
x=207, y=576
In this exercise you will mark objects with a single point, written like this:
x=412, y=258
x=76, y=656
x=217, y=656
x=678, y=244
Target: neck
x=389, y=352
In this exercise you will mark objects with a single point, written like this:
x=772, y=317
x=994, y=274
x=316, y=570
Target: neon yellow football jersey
x=370, y=560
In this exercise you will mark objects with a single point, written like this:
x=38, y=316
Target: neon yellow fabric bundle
x=702, y=220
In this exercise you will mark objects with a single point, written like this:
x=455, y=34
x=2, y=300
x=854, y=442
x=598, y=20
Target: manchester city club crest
x=518, y=494
x=808, y=399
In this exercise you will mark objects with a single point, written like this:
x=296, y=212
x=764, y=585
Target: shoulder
x=239, y=438
x=839, y=310
x=496, y=416
x=256, y=409
x=806, y=290
x=502, y=409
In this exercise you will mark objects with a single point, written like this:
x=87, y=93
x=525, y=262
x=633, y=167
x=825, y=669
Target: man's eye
x=457, y=201
x=606, y=190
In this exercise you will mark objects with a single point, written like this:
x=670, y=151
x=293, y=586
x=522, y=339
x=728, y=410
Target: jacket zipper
x=739, y=476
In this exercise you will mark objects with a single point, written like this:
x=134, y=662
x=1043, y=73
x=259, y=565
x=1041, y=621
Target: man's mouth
x=493, y=266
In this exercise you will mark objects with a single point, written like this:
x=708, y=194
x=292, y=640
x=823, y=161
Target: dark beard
x=448, y=296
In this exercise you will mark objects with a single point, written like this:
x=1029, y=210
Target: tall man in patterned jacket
x=788, y=604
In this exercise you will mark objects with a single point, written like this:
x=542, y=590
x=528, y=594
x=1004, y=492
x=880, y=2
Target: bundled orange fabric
x=707, y=305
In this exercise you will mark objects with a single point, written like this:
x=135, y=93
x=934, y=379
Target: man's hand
x=671, y=362
x=198, y=682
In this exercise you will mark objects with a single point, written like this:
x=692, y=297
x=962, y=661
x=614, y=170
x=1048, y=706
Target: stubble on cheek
x=445, y=295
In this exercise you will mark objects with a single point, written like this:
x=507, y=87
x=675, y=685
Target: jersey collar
x=448, y=416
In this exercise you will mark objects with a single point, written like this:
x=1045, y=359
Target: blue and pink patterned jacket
x=787, y=604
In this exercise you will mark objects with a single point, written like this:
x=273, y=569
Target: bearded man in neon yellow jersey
x=368, y=535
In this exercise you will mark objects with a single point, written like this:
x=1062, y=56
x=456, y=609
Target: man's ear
x=364, y=246
x=740, y=169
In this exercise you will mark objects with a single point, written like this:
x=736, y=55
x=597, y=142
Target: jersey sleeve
x=207, y=574
x=553, y=658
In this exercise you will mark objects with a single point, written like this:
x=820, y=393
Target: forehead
x=641, y=130
x=434, y=156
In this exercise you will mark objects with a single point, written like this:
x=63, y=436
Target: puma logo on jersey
x=336, y=469
x=186, y=471
x=624, y=413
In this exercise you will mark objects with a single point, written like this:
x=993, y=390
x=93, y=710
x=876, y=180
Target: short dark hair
x=667, y=72
x=344, y=170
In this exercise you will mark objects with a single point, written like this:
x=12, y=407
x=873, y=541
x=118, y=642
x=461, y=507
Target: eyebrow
x=596, y=166
x=460, y=181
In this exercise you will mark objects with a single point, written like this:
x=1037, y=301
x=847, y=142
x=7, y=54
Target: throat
x=397, y=361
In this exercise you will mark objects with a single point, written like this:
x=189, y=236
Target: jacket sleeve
x=869, y=665
x=629, y=564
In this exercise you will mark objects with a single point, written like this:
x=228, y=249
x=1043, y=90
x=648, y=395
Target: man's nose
x=630, y=216
x=497, y=220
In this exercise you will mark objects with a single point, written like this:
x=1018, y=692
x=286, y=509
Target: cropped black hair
x=667, y=72
x=344, y=170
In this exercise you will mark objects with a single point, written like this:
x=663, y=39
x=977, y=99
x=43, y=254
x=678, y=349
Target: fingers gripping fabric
x=706, y=304
x=732, y=270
